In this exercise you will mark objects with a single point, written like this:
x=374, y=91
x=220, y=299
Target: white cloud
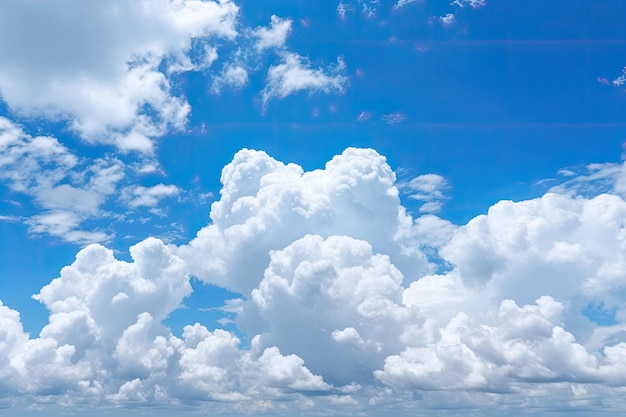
x=295, y=74
x=342, y=9
x=343, y=303
x=508, y=346
x=402, y=3
x=266, y=205
x=104, y=341
x=97, y=65
x=340, y=305
x=428, y=188
x=68, y=191
x=273, y=37
x=471, y=3
x=448, y=19
x=139, y=196
x=233, y=76
x=621, y=79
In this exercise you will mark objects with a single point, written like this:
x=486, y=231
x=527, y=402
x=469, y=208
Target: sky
x=305, y=208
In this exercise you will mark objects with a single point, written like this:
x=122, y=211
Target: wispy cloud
x=296, y=74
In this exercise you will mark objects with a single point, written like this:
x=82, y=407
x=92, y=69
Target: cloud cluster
x=67, y=190
x=348, y=302
x=100, y=66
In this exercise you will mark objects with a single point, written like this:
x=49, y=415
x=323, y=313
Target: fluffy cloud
x=98, y=65
x=341, y=304
x=234, y=76
x=105, y=340
x=511, y=345
x=265, y=205
x=295, y=74
x=335, y=304
x=274, y=36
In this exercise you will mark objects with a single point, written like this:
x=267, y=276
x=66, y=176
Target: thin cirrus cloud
x=337, y=308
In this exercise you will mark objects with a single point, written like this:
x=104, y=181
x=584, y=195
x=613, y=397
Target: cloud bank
x=347, y=301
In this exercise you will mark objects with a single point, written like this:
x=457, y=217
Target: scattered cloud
x=233, y=76
x=68, y=190
x=448, y=19
x=273, y=37
x=295, y=74
x=402, y=3
x=364, y=116
x=139, y=196
x=475, y=4
x=428, y=188
x=394, y=118
x=343, y=9
x=619, y=81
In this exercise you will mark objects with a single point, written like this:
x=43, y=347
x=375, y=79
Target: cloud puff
x=104, y=342
x=274, y=36
x=266, y=205
x=234, y=76
x=98, y=65
x=495, y=353
x=335, y=304
x=295, y=74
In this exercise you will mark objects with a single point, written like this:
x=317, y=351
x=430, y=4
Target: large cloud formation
x=348, y=302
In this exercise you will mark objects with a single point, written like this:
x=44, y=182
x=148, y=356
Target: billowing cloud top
x=340, y=302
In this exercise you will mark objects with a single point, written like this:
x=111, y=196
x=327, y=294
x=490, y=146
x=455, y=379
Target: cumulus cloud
x=99, y=65
x=295, y=74
x=346, y=300
x=334, y=303
x=501, y=349
x=266, y=205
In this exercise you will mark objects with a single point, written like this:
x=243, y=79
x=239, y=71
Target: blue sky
x=303, y=208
